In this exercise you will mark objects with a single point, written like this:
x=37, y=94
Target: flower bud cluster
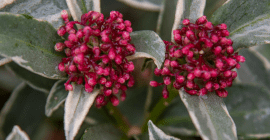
x=96, y=55
x=201, y=61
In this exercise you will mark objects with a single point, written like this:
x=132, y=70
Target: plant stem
x=149, y=94
x=160, y=107
x=121, y=121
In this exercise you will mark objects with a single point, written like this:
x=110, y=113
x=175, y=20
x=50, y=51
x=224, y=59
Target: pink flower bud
x=111, y=54
x=165, y=92
x=123, y=96
x=201, y=20
x=69, y=87
x=222, y=93
x=154, y=83
x=180, y=79
x=108, y=92
x=240, y=58
x=61, y=31
x=114, y=100
x=186, y=22
x=61, y=66
x=59, y=46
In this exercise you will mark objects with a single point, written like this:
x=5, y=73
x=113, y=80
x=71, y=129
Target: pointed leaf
x=56, y=97
x=89, y=5
x=17, y=134
x=253, y=70
x=210, y=116
x=156, y=134
x=4, y=60
x=148, y=45
x=26, y=103
x=102, y=132
x=150, y=5
x=46, y=9
x=77, y=106
x=35, y=81
x=249, y=106
x=248, y=26
x=30, y=43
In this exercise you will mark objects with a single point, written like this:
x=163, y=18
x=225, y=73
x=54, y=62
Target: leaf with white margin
x=102, y=132
x=4, y=60
x=210, y=116
x=89, y=5
x=248, y=26
x=150, y=5
x=49, y=10
x=191, y=9
x=30, y=43
x=249, y=106
x=77, y=105
x=17, y=134
x=254, y=70
x=156, y=134
x=35, y=81
x=148, y=45
x=56, y=97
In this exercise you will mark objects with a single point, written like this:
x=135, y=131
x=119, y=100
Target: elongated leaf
x=150, y=5
x=77, y=106
x=35, y=81
x=17, y=134
x=148, y=45
x=249, y=106
x=211, y=6
x=156, y=134
x=56, y=97
x=49, y=10
x=102, y=132
x=26, y=103
x=30, y=43
x=210, y=116
x=253, y=70
x=4, y=60
x=89, y=5
x=248, y=26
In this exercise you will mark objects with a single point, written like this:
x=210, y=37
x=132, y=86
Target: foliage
x=28, y=34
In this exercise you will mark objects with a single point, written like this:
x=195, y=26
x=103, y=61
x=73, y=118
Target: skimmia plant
x=199, y=71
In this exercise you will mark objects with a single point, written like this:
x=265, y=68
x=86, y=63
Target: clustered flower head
x=201, y=61
x=96, y=54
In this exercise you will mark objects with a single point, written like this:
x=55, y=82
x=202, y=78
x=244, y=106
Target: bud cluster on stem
x=201, y=61
x=96, y=55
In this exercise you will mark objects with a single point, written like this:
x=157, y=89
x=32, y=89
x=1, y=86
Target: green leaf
x=35, y=81
x=211, y=6
x=77, y=105
x=149, y=5
x=175, y=11
x=148, y=45
x=248, y=26
x=102, y=132
x=46, y=9
x=146, y=63
x=253, y=70
x=17, y=134
x=175, y=120
x=30, y=43
x=156, y=134
x=210, y=116
x=4, y=60
x=56, y=97
x=89, y=5
x=26, y=103
x=249, y=106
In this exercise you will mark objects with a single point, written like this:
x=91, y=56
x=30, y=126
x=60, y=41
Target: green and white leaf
x=89, y=5
x=211, y=6
x=49, y=10
x=254, y=70
x=56, y=97
x=248, y=26
x=35, y=81
x=102, y=132
x=249, y=107
x=148, y=45
x=210, y=116
x=149, y=5
x=156, y=134
x=77, y=105
x=4, y=60
x=191, y=9
x=78, y=7
x=30, y=43
x=17, y=134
